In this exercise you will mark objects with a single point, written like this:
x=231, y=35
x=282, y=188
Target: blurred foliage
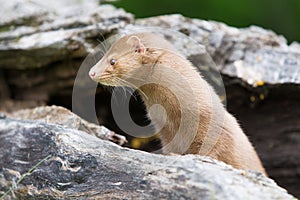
x=282, y=16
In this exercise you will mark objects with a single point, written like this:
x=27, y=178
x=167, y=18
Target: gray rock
x=43, y=43
x=49, y=39
x=51, y=33
x=62, y=116
x=41, y=160
x=252, y=54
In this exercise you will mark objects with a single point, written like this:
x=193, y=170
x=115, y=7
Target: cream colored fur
x=196, y=120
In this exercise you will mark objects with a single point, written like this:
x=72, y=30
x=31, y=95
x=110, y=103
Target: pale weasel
x=135, y=58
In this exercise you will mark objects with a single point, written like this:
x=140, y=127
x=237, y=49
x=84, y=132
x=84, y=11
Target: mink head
x=128, y=59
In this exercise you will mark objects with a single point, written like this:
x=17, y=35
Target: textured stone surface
x=43, y=43
x=252, y=54
x=42, y=48
x=61, y=116
x=45, y=34
x=263, y=90
x=78, y=165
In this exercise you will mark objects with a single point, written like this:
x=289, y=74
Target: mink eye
x=113, y=61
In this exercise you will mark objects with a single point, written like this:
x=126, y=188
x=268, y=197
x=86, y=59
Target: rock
x=49, y=40
x=41, y=160
x=61, y=116
x=42, y=46
x=252, y=54
x=9, y=105
x=260, y=71
x=2, y=116
x=62, y=32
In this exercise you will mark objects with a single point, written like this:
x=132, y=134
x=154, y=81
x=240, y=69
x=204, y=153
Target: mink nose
x=92, y=73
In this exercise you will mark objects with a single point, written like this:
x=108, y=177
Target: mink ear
x=136, y=43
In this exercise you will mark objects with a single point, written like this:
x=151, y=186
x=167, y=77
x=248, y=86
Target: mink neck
x=172, y=81
x=175, y=84
x=190, y=103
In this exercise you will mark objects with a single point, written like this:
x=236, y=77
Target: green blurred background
x=282, y=16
